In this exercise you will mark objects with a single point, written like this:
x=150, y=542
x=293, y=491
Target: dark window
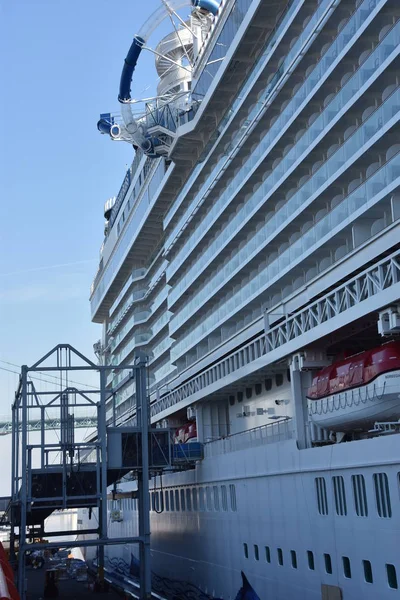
x=216, y=497
x=171, y=499
x=177, y=499
x=240, y=396
x=293, y=557
x=249, y=393
x=328, y=563
x=346, y=567
x=166, y=501
x=280, y=556
x=268, y=384
x=368, y=571
x=194, y=496
x=201, y=499
x=256, y=554
x=360, y=495
x=322, y=499
x=310, y=558
x=391, y=576
x=278, y=379
x=232, y=400
x=382, y=495
x=208, y=498
x=267, y=554
x=224, y=498
x=258, y=389
x=232, y=493
x=246, y=550
x=188, y=499
x=288, y=375
x=340, y=495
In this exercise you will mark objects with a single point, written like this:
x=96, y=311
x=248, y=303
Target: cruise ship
x=253, y=254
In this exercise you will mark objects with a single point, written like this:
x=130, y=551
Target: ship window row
x=271, y=46
x=300, y=243
x=258, y=388
x=293, y=557
x=126, y=238
x=214, y=498
x=259, y=280
x=302, y=144
x=358, y=489
x=313, y=79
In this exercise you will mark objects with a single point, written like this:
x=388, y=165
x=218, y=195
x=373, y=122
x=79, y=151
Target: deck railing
x=266, y=434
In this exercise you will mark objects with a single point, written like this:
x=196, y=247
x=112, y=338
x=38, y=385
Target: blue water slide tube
x=135, y=129
x=211, y=6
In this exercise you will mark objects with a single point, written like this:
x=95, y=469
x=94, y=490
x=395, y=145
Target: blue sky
x=60, y=63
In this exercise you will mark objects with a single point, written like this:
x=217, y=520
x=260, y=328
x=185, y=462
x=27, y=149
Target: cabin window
x=288, y=375
x=166, y=501
x=310, y=558
x=368, y=571
x=293, y=557
x=322, y=499
x=183, y=503
x=157, y=502
x=232, y=492
x=171, y=500
x=328, y=563
x=346, y=567
x=340, y=495
x=201, y=499
x=194, y=497
x=382, y=495
x=177, y=500
x=240, y=396
x=249, y=393
x=153, y=501
x=188, y=499
x=360, y=495
x=278, y=379
x=268, y=384
x=258, y=389
x=267, y=554
x=391, y=576
x=232, y=400
x=280, y=556
x=216, y=497
x=208, y=498
x=246, y=550
x=224, y=498
x=256, y=553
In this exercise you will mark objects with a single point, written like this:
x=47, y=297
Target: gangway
x=49, y=475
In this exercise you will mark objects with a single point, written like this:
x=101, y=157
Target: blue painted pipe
x=211, y=5
x=104, y=126
x=128, y=69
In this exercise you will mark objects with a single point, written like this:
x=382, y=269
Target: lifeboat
x=186, y=433
x=354, y=393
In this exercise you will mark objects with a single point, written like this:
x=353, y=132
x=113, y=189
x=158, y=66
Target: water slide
x=134, y=128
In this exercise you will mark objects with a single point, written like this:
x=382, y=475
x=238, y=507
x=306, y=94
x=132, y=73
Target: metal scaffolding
x=48, y=475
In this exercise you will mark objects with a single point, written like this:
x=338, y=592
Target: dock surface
x=67, y=588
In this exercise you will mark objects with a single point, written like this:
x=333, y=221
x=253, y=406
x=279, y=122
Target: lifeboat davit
x=354, y=393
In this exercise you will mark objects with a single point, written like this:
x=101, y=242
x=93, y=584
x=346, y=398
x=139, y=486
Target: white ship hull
x=360, y=407
x=277, y=507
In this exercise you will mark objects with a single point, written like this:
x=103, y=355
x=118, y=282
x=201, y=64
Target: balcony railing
x=277, y=431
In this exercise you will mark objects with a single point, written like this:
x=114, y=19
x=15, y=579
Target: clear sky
x=60, y=63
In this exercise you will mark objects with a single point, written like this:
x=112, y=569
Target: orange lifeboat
x=358, y=391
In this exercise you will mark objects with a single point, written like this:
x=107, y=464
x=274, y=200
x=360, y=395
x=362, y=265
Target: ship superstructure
x=253, y=254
